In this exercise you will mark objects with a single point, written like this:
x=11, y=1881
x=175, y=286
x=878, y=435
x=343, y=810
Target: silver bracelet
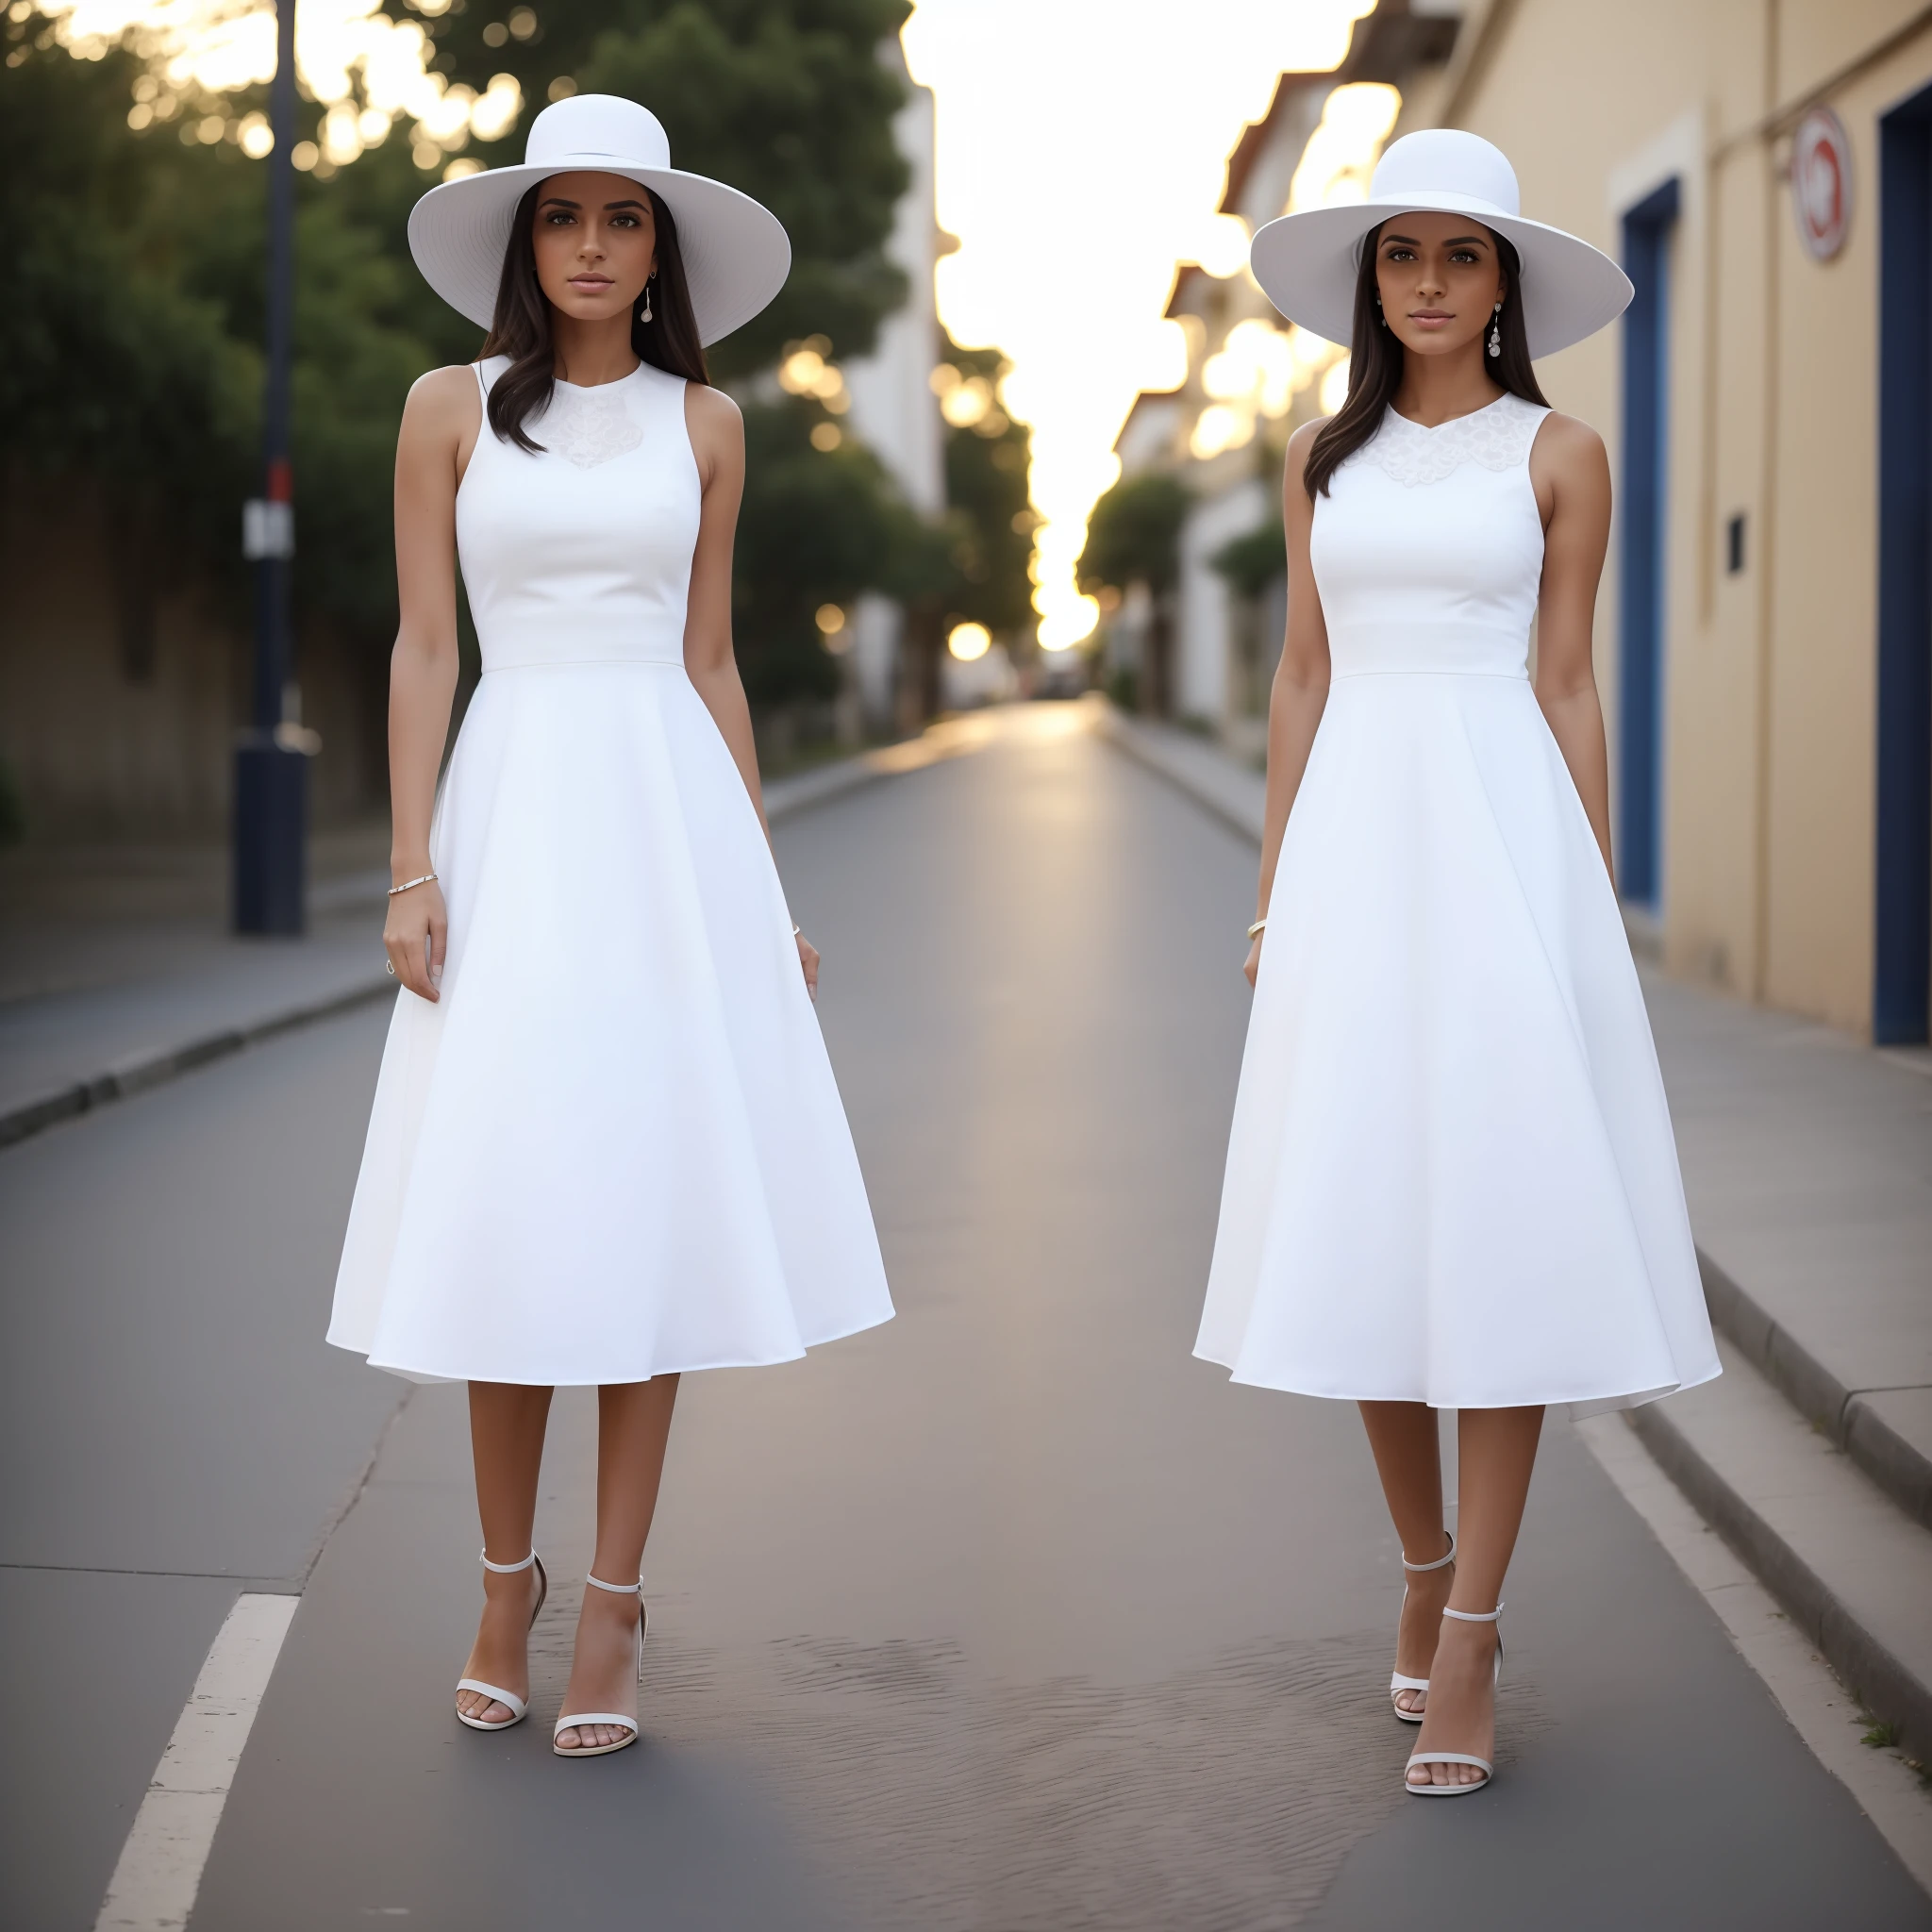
x=796, y=930
x=428, y=878
x=1259, y=925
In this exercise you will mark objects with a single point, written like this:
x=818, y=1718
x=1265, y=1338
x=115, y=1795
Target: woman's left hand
x=809, y=961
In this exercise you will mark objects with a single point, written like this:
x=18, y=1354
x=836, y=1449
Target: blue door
x=1902, y=861
x=1640, y=568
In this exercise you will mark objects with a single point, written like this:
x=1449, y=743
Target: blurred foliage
x=1253, y=560
x=991, y=522
x=785, y=99
x=111, y=360
x=131, y=317
x=817, y=526
x=1134, y=535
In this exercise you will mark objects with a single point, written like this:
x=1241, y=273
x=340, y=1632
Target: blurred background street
x=1009, y=1614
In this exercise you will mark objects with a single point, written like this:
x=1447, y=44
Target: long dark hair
x=1374, y=365
x=521, y=329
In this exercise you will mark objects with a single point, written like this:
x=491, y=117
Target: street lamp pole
x=271, y=765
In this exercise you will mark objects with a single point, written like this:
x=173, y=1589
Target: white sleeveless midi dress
x=613, y=1149
x=1451, y=1177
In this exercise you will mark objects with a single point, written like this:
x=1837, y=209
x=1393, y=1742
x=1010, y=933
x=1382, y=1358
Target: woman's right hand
x=416, y=937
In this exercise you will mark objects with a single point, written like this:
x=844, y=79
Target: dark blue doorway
x=1901, y=941
x=1641, y=571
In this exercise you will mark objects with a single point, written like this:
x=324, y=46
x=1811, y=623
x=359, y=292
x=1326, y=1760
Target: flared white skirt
x=614, y=1148
x=1451, y=1177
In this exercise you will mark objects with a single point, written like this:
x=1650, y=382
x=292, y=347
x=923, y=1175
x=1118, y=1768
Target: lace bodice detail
x=588, y=427
x=1497, y=438
x=580, y=551
x=1439, y=578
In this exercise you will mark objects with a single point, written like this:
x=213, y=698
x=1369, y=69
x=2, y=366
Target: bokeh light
x=969, y=641
x=365, y=69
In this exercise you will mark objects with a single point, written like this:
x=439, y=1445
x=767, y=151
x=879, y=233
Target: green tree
x=973, y=567
x=817, y=526
x=988, y=461
x=1134, y=537
x=1253, y=560
x=124, y=374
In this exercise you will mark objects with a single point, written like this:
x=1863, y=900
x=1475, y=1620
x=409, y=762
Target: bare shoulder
x=1303, y=440
x=1296, y=467
x=715, y=423
x=716, y=429
x=446, y=402
x=1571, y=449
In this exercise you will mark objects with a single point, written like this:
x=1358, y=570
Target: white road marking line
x=1821, y=1709
x=159, y=1872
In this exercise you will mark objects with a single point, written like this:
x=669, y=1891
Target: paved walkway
x=1007, y=1614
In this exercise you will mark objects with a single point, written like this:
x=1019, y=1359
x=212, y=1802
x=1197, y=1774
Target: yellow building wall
x=1769, y=675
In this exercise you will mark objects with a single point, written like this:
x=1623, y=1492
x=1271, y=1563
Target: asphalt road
x=1008, y=1615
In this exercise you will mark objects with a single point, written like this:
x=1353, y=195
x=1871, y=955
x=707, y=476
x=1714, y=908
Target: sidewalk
x=1807, y=1159
x=116, y=970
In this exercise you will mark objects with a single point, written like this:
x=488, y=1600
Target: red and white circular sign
x=1821, y=182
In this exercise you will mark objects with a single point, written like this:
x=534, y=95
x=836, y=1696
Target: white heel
x=571, y=1723
x=1429, y=1789
x=1397, y=1682
x=516, y=1706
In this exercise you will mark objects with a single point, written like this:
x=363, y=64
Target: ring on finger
x=389, y=966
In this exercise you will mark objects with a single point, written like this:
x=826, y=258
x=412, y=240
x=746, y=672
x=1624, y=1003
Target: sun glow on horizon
x=1082, y=149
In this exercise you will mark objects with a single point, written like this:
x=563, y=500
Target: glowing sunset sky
x=1082, y=145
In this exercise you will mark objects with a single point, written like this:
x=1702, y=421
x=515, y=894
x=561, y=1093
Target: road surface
x=1008, y=1615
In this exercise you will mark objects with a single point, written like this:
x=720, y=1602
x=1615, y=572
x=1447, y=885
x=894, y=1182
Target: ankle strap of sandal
x=1475, y=1616
x=1441, y=1563
x=505, y=1569
x=636, y=1589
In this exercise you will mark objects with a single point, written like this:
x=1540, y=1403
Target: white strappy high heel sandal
x=1430, y=1789
x=629, y=1724
x=516, y=1706
x=1397, y=1682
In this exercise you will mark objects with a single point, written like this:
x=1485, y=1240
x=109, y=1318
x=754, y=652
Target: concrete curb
x=137, y=1076
x=1845, y=1416
x=1184, y=764
x=1888, y=1688
x=785, y=798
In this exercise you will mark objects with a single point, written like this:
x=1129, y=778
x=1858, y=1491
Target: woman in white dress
x=1451, y=1180
x=606, y=1146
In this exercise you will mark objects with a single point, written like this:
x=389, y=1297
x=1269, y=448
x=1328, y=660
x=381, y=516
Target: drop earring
x=645, y=313
x=1496, y=333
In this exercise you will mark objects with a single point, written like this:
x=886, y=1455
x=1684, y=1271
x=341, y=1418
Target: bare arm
x=717, y=441
x=1571, y=475
x=1300, y=691
x=441, y=421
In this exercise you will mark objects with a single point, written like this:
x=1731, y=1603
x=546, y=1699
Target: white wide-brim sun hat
x=1307, y=264
x=736, y=252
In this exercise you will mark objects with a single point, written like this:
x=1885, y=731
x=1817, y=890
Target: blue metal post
x=270, y=776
